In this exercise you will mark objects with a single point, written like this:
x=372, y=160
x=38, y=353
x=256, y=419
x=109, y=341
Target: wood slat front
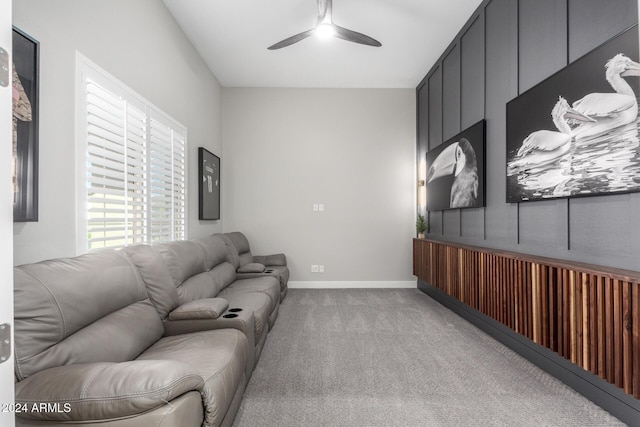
x=589, y=315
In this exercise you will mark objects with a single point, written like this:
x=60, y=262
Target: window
x=132, y=169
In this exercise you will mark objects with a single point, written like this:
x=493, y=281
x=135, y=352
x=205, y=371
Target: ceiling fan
x=326, y=28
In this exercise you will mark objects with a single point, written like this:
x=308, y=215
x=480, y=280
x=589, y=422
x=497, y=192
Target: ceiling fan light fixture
x=325, y=28
x=325, y=31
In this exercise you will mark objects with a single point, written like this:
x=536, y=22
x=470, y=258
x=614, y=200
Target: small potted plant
x=421, y=226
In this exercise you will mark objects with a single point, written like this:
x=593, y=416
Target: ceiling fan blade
x=291, y=40
x=353, y=36
x=324, y=11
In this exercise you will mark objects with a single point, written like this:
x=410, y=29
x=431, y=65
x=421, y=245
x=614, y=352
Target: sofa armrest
x=275, y=259
x=240, y=319
x=252, y=267
x=208, y=308
x=99, y=391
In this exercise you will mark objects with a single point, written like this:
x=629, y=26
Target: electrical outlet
x=314, y=268
x=321, y=269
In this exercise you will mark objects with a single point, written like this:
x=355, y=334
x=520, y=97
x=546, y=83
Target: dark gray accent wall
x=471, y=221
x=434, y=108
x=472, y=74
x=451, y=119
x=542, y=40
x=505, y=48
x=501, y=81
x=451, y=93
x=585, y=35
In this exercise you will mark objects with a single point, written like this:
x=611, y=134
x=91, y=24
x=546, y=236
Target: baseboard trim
x=351, y=285
x=600, y=392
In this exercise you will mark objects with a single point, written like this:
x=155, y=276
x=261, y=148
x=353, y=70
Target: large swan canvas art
x=576, y=133
x=455, y=171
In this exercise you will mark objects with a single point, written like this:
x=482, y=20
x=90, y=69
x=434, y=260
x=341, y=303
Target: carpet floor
x=396, y=357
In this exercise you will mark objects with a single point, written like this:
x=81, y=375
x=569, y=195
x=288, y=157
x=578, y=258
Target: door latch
x=5, y=342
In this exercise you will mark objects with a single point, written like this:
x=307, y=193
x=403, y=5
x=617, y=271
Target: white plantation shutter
x=137, y=198
x=167, y=174
x=179, y=185
x=134, y=166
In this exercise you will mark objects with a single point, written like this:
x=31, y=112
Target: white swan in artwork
x=610, y=110
x=544, y=146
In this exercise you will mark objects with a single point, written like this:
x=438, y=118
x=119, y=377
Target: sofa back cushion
x=240, y=243
x=215, y=250
x=232, y=253
x=91, y=308
x=198, y=268
x=156, y=275
x=221, y=270
x=183, y=258
x=185, y=261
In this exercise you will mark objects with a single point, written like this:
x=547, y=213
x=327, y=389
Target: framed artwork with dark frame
x=208, y=185
x=25, y=126
x=575, y=134
x=455, y=171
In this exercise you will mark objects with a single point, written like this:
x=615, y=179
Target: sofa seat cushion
x=256, y=301
x=267, y=285
x=219, y=356
x=100, y=391
x=279, y=272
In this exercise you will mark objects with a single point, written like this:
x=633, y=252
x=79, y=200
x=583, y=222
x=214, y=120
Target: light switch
x=321, y=207
x=315, y=207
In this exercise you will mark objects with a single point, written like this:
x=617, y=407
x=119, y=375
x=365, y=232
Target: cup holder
x=230, y=316
x=235, y=310
x=268, y=271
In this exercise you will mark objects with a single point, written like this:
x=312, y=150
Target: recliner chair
x=248, y=265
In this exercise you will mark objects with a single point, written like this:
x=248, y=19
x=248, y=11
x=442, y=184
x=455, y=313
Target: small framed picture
x=208, y=185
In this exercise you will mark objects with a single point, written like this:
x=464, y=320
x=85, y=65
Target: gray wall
x=352, y=150
x=506, y=48
x=139, y=43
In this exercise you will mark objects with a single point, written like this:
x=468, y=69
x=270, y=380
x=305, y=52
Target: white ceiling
x=232, y=37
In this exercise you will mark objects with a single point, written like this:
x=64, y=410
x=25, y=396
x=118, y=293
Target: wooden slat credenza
x=588, y=314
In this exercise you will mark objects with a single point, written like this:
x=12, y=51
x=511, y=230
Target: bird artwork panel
x=577, y=132
x=455, y=171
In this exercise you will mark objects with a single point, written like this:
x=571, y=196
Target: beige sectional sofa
x=162, y=335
